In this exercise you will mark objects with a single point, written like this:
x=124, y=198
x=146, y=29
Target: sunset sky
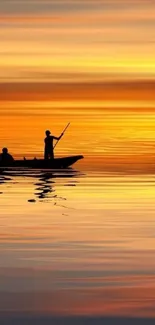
x=93, y=60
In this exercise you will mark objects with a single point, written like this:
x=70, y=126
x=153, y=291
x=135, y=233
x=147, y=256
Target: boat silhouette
x=56, y=163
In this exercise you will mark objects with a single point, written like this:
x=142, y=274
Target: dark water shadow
x=44, y=182
x=74, y=320
x=4, y=179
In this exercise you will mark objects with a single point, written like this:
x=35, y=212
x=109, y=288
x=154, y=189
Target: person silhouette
x=48, y=151
x=5, y=156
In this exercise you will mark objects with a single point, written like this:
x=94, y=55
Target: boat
x=56, y=163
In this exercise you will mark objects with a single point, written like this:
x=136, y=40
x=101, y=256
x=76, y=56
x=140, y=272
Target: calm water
x=77, y=242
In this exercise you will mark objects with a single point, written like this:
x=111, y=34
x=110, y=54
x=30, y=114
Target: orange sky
x=40, y=38
x=81, y=91
x=85, y=62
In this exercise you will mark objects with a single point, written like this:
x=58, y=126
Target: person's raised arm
x=58, y=138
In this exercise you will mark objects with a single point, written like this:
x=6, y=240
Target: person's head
x=5, y=150
x=48, y=133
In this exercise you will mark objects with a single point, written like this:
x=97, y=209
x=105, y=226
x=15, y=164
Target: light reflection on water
x=89, y=237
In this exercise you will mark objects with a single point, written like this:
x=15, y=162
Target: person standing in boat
x=5, y=157
x=49, y=152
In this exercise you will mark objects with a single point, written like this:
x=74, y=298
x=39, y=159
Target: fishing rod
x=62, y=134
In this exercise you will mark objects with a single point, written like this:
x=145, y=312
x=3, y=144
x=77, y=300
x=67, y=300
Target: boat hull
x=56, y=163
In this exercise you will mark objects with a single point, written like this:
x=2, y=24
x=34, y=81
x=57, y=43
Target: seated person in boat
x=5, y=157
x=49, y=152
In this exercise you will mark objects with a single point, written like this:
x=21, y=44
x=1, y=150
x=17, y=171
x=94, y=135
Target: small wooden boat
x=55, y=163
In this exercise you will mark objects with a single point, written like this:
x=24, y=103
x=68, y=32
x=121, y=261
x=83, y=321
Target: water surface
x=77, y=242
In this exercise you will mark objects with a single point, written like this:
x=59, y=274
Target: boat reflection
x=44, y=186
x=44, y=183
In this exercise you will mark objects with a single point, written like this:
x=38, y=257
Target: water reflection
x=45, y=186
